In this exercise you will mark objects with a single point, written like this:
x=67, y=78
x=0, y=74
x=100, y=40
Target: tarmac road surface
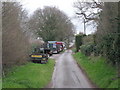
x=67, y=74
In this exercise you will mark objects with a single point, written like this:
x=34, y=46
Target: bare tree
x=51, y=24
x=88, y=9
x=105, y=16
x=14, y=41
x=88, y=12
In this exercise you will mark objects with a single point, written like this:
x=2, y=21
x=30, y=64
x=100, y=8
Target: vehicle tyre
x=33, y=61
x=39, y=61
x=57, y=52
x=50, y=54
x=42, y=62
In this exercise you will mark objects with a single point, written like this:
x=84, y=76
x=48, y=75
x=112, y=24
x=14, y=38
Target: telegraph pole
x=84, y=27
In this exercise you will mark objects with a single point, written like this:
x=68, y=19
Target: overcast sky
x=64, y=5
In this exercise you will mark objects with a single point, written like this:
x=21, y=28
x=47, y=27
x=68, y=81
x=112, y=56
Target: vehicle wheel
x=41, y=62
x=46, y=61
x=50, y=54
x=57, y=52
x=33, y=61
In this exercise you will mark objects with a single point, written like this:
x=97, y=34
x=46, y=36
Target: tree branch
x=85, y=16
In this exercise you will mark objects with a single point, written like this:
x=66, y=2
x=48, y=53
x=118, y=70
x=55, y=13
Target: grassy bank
x=0, y=83
x=31, y=75
x=102, y=74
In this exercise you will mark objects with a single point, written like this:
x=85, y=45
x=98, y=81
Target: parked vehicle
x=55, y=46
x=39, y=55
x=47, y=49
x=61, y=45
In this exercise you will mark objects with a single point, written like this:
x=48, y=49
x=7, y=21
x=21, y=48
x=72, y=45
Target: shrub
x=97, y=50
x=78, y=41
x=108, y=48
x=88, y=39
x=87, y=49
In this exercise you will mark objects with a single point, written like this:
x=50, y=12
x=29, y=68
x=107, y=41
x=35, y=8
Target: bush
x=97, y=50
x=87, y=49
x=88, y=39
x=109, y=49
x=78, y=41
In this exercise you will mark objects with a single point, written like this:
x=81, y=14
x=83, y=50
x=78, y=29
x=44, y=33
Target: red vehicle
x=60, y=45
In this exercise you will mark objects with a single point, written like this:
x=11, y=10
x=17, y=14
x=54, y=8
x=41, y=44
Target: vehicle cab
x=39, y=55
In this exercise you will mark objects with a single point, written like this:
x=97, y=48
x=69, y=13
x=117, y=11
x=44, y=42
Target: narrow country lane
x=67, y=74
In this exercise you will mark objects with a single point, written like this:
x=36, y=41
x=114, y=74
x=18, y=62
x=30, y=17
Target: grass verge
x=102, y=74
x=31, y=75
x=0, y=83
